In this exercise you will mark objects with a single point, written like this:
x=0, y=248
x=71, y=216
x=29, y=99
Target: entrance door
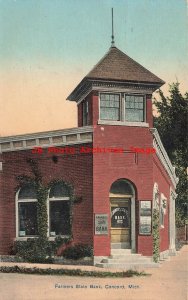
x=121, y=221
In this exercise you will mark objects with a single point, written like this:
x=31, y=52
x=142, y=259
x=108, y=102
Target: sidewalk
x=169, y=282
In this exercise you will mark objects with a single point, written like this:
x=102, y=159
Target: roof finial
x=113, y=42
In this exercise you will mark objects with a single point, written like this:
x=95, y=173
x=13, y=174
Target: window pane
x=59, y=190
x=27, y=216
x=121, y=187
x=134, y=115
x=59, y=218
x=161, y=216
x=85, y=113
x=110, y=107
x=109, y=114
x=134, y=108
x=27, y=192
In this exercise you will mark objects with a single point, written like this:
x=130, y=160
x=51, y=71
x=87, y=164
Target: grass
x=76, y=272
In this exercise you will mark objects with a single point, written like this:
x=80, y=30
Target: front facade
x=105, y=177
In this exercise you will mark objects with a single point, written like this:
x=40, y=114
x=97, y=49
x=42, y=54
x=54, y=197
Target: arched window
x=163, y=208
x=121, y=187
x=156, y=196
x=59, y=210
x=26, y=211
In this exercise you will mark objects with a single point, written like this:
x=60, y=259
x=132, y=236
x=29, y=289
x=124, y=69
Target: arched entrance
x=122, y=207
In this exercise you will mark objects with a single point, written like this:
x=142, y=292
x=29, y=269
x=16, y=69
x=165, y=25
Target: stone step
x=126, y=260
x=126, y=256
x=120, y=245
x=128, y=266
x=120, y=251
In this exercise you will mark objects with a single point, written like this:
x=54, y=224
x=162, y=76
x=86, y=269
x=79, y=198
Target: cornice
x=163, y=157
x=70, y=136
x=88, y=84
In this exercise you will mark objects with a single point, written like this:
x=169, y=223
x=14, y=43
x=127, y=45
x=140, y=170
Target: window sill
x=121, y=123
x=50, y=238
x=25, y=238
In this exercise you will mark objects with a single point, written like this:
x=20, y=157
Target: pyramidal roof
x=116, y=65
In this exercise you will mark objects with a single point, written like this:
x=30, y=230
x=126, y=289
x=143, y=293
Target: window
x=110, y=107
x=161, y=217
x=59, y=210
x=26, y=207
x=134, y=108
x=163, y=207
x=85, y=113
x=122, y=107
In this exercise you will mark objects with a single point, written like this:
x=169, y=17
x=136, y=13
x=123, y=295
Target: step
x=128, y=266
x=120, y=251
x=126, y=256
x=124, y=260
x=120, y=245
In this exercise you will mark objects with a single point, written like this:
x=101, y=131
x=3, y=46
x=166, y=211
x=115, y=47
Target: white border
x=17, y=219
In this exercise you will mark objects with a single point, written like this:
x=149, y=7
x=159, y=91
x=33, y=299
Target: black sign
x=119, y=217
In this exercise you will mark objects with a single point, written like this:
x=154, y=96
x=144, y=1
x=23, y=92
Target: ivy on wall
x=38, y=249
x=156, y=235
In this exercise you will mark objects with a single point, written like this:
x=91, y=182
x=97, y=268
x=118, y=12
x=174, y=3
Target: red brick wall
x=163, y=181
x=109, y=167
x=74, y=169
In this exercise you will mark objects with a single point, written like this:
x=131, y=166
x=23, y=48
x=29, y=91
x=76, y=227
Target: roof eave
x=87, y=83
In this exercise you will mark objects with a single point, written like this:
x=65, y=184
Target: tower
x=115, y=98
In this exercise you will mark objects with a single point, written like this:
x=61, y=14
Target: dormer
x=117, y=91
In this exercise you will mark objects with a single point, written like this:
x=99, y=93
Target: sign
x=101, y=224
x=119, y=217
x=145, y=218
x=22, y=233
x=145, y=225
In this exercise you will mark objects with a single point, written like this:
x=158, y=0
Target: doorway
x=122, y=209
x=121, y=221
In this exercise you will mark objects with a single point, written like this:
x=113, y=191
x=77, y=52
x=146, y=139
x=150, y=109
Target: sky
x=48, y=46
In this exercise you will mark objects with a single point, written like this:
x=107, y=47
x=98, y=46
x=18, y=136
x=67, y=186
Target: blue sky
x=70, y=36
x=61, y=29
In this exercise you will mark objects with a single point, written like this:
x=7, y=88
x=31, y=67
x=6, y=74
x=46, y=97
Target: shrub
x=38, y=250
x=68, y=272
x=34, y=250
x=78, y=251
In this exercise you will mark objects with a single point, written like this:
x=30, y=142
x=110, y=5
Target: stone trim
x=163, y=156
x=88, y=84
x=45, y=139
x=121, y=123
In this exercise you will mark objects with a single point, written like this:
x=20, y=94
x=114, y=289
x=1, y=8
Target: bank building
x=114, y=165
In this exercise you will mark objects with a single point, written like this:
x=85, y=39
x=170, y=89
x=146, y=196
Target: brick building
x=113, y=162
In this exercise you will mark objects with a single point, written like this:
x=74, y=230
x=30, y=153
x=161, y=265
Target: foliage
x=156, y=236
x=78, y=251
x=180, y=221
x=42, y=216
x=68, y=272
x=38, y=250
x=172, y=126
x=35, y=250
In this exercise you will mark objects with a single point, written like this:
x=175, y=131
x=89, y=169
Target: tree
x=172, y=125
